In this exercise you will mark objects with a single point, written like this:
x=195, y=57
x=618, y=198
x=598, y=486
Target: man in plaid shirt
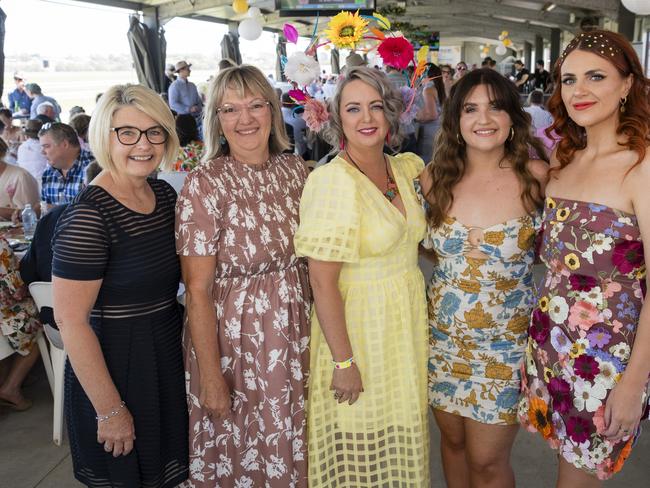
x=64, y=178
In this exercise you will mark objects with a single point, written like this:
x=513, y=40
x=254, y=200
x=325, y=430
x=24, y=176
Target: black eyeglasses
x=130, y=136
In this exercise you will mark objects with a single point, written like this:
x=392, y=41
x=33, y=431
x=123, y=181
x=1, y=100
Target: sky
x=51, y=28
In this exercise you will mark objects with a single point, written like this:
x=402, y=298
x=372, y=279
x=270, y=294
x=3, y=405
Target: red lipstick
x=583, y=105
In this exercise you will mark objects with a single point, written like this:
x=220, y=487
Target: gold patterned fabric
x=381, y=440
x=479, y=311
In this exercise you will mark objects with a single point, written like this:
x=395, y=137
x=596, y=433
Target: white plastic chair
x=54, y=361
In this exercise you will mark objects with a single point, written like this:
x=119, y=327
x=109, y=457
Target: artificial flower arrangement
x=348, y=30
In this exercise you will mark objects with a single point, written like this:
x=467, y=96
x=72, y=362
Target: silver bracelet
x=104, y=418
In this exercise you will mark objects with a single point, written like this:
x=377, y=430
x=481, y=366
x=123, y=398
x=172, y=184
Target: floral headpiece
x=347, y=30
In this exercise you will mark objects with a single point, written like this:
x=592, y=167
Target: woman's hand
x=117, y=433
x=214, y=396
x=347, y=384
x=623, y=411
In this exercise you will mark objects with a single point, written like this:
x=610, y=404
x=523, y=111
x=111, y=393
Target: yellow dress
x=383, y=439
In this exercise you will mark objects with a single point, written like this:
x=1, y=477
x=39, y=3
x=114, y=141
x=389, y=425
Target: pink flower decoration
x=298, y=96
x=582, y=282
x=316, y=114
x=628, y=256
x=290, y=33
x=599, y=419
x=396, y=52
x=584, y=315
x=578, y=429
x=610, y=288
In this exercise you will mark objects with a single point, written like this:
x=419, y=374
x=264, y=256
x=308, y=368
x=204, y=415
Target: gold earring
x=512, y=133
x=623, y=101
x=458, y=138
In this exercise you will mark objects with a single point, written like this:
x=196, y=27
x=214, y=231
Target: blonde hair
x=245, y=79
x=393, y=104
x=141, y=98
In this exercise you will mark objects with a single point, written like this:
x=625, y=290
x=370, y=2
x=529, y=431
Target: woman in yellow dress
x=360, y=225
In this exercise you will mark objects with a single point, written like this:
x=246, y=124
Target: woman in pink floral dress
x=588, y=358
x=248, y=297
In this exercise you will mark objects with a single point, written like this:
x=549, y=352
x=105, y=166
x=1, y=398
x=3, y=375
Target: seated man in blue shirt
x=63, y=179
x=36, y=94
x=19, y=101
x=183, y=96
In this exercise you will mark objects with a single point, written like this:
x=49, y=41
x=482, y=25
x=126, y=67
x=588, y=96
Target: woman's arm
x=624, y=409
x=198, y=276
x=324, y=278
x=73, y=301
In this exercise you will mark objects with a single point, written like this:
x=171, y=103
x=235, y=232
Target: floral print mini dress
x=479, y=311
x=582, y=330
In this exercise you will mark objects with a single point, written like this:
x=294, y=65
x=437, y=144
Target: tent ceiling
x=524, y=19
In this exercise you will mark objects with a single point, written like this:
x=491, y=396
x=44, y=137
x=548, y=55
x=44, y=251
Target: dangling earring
x=623, y=102
x=458, y=139
x=512, y=133
x=388, y=138
x=222, y=140
x=342, y=144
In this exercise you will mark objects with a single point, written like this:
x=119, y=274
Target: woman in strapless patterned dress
x=588, y=356
x=485, y=198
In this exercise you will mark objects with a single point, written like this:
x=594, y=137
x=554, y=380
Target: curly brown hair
x=634, y=122
x=450, y=157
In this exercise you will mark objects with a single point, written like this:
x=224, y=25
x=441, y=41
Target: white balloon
x=250, y=29
x=639, y=7
x=254, y=12
x=500, y=50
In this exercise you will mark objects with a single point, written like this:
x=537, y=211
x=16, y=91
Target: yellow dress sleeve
x=410, y=165
x=329, y=216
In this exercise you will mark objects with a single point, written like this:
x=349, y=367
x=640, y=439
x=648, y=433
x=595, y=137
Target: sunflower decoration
x=540, y=417
x=346, y=29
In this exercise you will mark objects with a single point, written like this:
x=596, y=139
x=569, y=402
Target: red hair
x=634, y=122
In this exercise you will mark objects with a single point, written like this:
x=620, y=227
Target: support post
x=555, y=46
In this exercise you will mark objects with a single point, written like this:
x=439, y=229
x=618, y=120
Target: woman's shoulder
x=409, y=163
x=539, y=169
x=336, y=169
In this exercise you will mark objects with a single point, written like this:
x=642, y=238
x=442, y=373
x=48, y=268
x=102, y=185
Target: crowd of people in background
x=309, y=349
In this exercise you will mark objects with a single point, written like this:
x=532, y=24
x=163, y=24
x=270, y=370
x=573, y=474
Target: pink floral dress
x=582, y=330
x=246, y=216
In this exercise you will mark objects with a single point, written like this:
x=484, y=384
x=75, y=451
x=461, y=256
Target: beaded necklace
x=391, y=187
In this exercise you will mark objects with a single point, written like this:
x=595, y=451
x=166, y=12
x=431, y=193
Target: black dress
x=138, y=325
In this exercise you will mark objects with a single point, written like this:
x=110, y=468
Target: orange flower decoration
x=625, y=453
x=540, y=418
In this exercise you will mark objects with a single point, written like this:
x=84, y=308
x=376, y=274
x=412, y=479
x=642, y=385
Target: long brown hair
x=450, y=157
x=634, y=122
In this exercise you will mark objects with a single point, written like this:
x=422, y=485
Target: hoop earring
x=623, y=101
x=459, y=139
x=512, y=134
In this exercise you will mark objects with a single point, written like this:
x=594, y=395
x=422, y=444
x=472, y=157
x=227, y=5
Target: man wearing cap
x=64, y=178
x=183, y=96
x=19, y=101
x=29, y=155
x=36, y=94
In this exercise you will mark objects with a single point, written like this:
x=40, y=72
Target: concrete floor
x=29, y=459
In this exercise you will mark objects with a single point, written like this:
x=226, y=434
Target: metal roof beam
x=488, y=7
x=183, y=8
x=126, y=4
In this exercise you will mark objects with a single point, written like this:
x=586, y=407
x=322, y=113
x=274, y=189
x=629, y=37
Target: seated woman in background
x=11, y=134
x=17, y=187
x=19, y=325
x=80, y=123
x=484, y=197
x=115, y=277
x=191, y=150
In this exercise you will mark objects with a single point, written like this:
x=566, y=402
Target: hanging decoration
x=250, y=29
x=639, y=7
x=240, y=6
x=506, y=43
x=371, y=35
